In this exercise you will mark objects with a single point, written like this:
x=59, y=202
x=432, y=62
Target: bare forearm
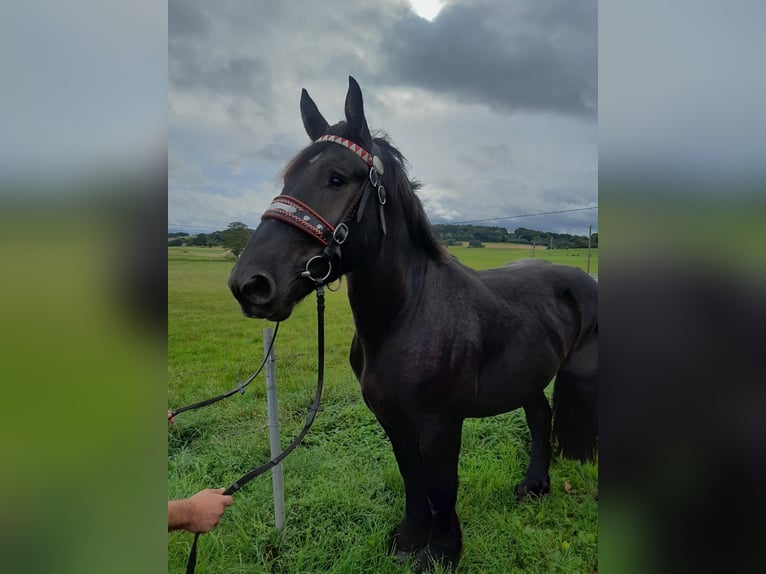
x=179, y=512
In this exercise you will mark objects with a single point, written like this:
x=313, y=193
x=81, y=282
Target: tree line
x=236, y=235
x=234, y=238
x=454, y=234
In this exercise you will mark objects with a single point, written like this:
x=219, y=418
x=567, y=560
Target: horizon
x=510, y=231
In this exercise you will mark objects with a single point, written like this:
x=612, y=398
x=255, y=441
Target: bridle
x=294, y=212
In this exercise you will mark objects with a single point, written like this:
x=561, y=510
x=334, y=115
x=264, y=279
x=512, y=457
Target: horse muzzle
x=257, y=296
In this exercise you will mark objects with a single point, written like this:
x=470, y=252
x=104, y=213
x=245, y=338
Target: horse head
x=320, y=226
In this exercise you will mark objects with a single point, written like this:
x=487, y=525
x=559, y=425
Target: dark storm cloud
x=238, y=76
x=186, y=19
x=192, y=65
x=529, y=56
x=244, y=50
x=236, y=69
x=540, y=56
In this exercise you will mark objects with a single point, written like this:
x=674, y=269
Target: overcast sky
x=494, y=103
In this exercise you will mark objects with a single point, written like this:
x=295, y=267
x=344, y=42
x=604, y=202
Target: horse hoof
x=422, y=561
x=425, y=561
x=401, y=557
x=535, y=488
x=405, y=540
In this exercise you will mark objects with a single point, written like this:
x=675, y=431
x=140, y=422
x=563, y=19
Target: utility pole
x=587, y=265
x=534, y=242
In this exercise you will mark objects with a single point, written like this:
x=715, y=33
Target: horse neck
x=383, y=293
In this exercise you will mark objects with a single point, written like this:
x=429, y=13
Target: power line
x=521, y=215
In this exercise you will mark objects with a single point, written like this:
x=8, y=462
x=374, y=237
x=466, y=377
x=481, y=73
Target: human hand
x=206, y=508
x=171, y=418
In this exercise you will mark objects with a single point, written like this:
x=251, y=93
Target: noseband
x=301, y=216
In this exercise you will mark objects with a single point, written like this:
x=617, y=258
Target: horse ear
x=313, y=121
x=355, y=115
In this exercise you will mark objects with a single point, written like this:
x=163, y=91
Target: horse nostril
x=234, y=288
x=260, y=289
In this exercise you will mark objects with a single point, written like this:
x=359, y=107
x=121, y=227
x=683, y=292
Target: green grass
x=343, y=489
x=498, y=254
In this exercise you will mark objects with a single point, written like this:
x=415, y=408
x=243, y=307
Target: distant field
x=491, y=255
x=343, y=489
x=499, y=254
x=502, y=246
x=195, y=253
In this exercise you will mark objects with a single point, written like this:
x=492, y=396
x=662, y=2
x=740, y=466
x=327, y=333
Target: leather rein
x=296, y=213
x=191, y=563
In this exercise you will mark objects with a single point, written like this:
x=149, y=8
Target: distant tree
x=446, y=231
x=178, y=242
x=235, y=237
x=452, y=234
x=475, y=243
x=215, y=238
x=200, y=239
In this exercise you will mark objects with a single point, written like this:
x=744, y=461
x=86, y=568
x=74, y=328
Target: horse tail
x=575, y=417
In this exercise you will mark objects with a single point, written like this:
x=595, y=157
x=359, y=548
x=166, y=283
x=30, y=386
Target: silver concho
x=377, y=163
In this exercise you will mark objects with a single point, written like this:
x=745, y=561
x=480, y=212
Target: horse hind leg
x=537, y=480
x=575, y=418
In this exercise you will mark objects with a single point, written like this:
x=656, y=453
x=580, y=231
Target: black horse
x=435, y=341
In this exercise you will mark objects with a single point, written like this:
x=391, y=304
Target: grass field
x=498, y=254
x=343, y=489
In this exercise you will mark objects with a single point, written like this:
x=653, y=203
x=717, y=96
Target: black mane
x=404, y=190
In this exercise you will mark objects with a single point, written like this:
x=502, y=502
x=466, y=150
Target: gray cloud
x=185, y=19
x=444, y=90
x=530, y=56
x=237, y=76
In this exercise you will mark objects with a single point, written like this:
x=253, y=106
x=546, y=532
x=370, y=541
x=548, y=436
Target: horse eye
x=336, y=181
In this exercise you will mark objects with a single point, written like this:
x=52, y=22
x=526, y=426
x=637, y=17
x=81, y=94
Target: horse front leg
x=440, y=449
x=411, y=534
x=536, y=479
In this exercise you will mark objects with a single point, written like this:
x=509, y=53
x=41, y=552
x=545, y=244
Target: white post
x=274, y=446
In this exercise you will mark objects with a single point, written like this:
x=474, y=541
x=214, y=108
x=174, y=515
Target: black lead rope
x=240, y=388
x=313, y=409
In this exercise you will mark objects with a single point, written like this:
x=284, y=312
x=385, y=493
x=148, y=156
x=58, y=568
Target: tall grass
x=343, y=489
